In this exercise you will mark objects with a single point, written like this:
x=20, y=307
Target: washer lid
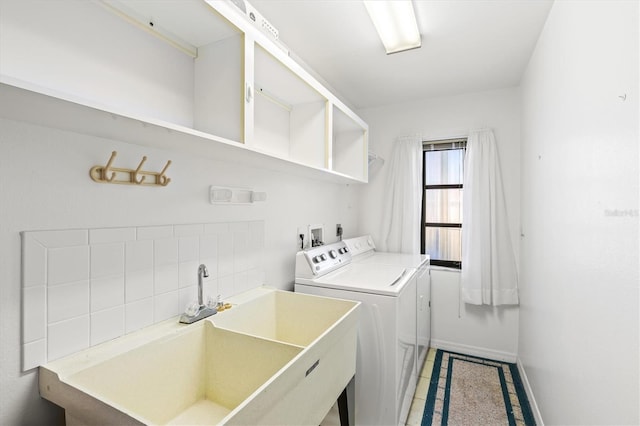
x=398, y=259
x=367, y=278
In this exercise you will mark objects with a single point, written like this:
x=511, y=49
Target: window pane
x=443, y=243
x=443, y=167
x=443, y=205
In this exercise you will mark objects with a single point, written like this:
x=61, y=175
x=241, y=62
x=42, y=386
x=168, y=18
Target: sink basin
x=204, y=369
x=276, y=358
x=294, y=318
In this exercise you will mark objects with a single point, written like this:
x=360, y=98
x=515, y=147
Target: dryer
x=363, y=250
x=386, y=373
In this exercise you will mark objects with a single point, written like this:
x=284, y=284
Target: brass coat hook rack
x=109, y=174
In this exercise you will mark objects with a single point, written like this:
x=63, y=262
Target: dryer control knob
x=333, y=254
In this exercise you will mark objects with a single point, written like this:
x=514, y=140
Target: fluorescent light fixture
x=396, y=24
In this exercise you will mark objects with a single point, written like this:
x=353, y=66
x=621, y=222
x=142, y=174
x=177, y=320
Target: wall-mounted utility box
x=316, y=235
x=228, y=195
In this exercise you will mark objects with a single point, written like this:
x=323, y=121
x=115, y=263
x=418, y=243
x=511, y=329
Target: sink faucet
x=203, y=272
x=194, y=313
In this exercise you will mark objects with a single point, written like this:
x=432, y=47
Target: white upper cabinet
x=197, y=68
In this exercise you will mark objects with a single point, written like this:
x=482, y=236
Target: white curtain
x=401, y=213
x=489, y=275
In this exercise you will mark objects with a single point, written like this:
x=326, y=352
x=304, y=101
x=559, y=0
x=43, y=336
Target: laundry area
x=268, y=212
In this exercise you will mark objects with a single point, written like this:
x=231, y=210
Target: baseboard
x=527, y=388
x=473, y=350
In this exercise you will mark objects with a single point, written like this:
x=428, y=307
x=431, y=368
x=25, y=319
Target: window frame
x=439, y=145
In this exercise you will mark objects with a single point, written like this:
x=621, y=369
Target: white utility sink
x=276, y=357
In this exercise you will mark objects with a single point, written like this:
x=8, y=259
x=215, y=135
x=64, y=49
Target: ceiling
x=467, y=46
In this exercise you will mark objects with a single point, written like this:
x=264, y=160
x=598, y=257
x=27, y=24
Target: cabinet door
x=349, y=145
x=289, y=116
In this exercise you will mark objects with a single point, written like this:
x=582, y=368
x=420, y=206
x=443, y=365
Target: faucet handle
x=211, y=302
x=192, y=309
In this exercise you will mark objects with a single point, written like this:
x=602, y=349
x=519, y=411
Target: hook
x=623, y=97
x=107, y=168
x=134, y=177
x=161, y=178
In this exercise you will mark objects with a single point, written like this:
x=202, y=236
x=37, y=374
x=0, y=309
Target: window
x=443, y=171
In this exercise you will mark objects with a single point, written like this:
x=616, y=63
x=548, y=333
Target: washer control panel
x=360, y=245
x=322, y=259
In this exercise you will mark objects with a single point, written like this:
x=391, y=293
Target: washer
x=386, y=372
x=363, y=250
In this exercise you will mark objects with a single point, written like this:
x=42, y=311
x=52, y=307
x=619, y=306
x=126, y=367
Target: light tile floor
x=420, y=396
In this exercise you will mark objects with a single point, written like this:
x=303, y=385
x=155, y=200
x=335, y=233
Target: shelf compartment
x=289, y=115
x=349, y=145
x=91, y=52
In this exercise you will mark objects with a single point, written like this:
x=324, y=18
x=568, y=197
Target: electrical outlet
x=301, y=238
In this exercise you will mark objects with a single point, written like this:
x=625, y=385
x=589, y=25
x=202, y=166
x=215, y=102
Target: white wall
x=578, y=338
x=45, y=184
x=482, y=330
x=488, y=332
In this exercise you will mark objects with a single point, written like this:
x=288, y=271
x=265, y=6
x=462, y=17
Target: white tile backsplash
x=239, y=227
x=188, y=249
x=138, y=314
x=67, y=337
x=107, y=292
x=216, y=228
x=138, y=285
x=35, y=324
x=36, y=273
x=209, y=246
x=82, y=287
x=107, y=260
x=225, y=254
x=111, y=235
x=34, y=353
x=165, y=251
x=167, y=305
x=240, y=282
x=210, y=288
x=226, y=286
x=188, y=273
x=188, y=230
x=66, y=301
x=107, y=325
x=62, y=238
x=240, y=245
x=188, y=295
x=139, y=255
x=67, y=264
x=165, y=278
x=154, y=232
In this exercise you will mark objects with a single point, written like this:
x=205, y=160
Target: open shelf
x=25, y=103
x=289, y=115
x=175, y=79
x=349, y=153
